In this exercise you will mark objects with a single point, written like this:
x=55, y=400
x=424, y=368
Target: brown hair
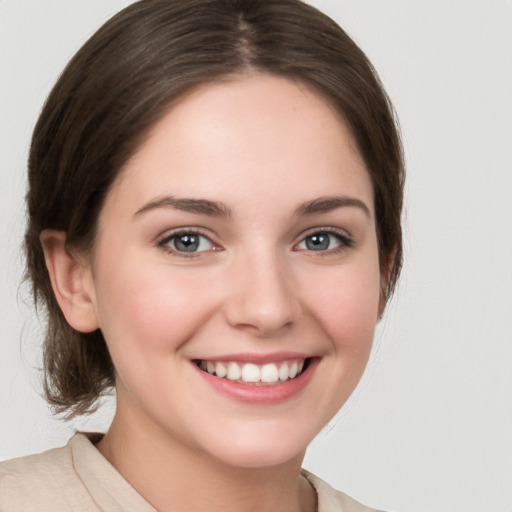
x=125, y=78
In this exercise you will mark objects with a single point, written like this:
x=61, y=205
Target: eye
x=187, y=242
x=324, y=241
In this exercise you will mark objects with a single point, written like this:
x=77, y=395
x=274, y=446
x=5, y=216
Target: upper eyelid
x=325, y=229
x=171, y=233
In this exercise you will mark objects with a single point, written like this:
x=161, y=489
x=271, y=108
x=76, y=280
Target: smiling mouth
x=250, y=373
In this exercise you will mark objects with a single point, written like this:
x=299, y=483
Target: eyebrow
x=199, y=206
x=218, y=209
x=327, y=204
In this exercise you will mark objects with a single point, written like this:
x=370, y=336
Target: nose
x=264, y=297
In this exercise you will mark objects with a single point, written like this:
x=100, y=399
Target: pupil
x=318, y=242
x=187, y=243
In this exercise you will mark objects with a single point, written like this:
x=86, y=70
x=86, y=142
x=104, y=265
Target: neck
x=172, y=476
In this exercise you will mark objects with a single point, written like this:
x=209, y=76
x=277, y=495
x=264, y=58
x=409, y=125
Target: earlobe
x=71, y=282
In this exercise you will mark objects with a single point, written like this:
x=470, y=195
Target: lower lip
x=265, y=395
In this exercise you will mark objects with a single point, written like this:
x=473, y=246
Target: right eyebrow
x=199, y=206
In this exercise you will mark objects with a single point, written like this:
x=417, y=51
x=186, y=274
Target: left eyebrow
x=327, y=204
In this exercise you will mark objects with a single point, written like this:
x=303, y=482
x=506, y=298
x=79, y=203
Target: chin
x=252, y=458
x=260, y=451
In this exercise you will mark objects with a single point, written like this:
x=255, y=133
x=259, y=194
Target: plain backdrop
x=430, y=427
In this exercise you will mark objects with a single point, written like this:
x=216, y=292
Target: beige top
x=78, y=478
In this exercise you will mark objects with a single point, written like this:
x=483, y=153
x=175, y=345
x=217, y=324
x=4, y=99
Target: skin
x=262, y=146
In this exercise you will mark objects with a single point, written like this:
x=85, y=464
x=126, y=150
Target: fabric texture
x=78, y=478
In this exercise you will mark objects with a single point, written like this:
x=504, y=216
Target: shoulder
x=331, y=500
x=74, y=478
x=46, y=481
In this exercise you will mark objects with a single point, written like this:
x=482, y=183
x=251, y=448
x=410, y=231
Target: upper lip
x=256, y=358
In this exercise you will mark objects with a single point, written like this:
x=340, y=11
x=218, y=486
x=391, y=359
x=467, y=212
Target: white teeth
x=220, y=370
x=283, y=372
x=252, y=373
x=234, y=372
x=269, y=373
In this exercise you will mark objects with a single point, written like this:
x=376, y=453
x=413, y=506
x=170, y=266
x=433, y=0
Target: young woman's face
x=237, y=247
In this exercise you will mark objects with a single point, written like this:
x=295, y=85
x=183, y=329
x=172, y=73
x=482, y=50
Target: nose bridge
x=264, y=297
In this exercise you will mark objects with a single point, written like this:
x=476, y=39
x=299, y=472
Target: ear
x=71, y=280
x=384, y=280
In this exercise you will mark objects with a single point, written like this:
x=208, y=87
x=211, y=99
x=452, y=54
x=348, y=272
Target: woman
x=214, y=229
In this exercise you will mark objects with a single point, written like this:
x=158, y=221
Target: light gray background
x=430, y=428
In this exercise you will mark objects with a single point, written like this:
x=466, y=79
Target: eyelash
x=193, y=232
x=345, y=242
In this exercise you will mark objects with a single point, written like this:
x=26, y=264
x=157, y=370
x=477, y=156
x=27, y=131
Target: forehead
x=260, y=134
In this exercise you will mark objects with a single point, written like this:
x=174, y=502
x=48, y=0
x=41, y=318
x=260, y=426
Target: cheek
x=346, y=304
x=148, y=309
